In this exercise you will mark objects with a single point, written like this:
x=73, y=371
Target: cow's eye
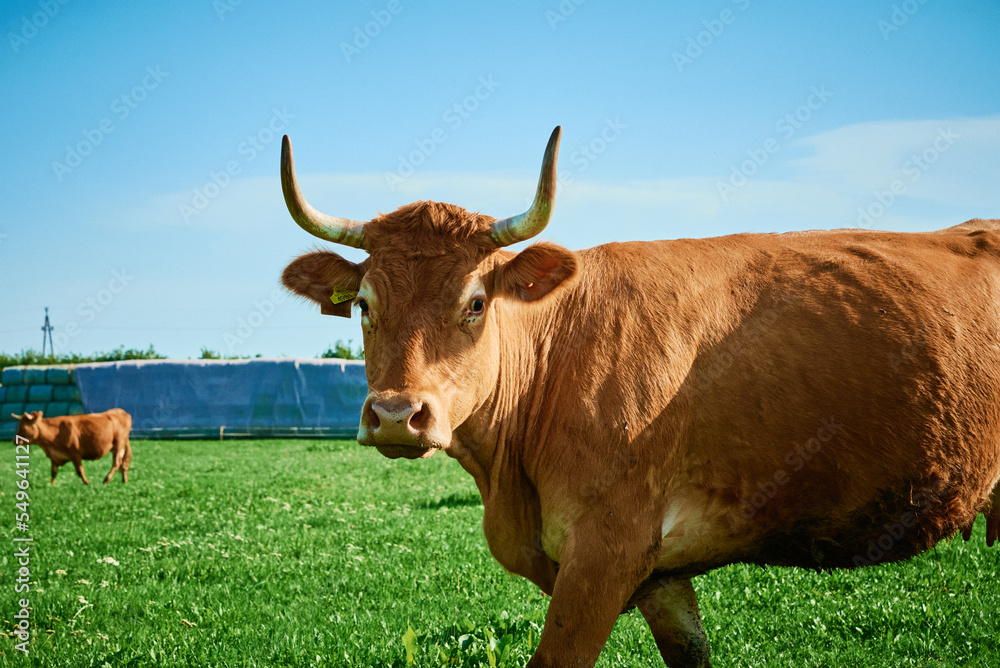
x=363, y=305
x=476, y=306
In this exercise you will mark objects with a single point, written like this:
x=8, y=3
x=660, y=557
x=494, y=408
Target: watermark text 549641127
x=22, y=545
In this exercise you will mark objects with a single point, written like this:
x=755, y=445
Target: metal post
x=47, y=334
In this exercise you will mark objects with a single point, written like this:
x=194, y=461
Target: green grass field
x=323, y=553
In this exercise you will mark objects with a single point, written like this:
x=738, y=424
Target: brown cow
x=638, y=413
x=73, y=438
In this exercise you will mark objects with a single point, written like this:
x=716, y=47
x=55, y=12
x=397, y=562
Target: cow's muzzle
x=401, y=426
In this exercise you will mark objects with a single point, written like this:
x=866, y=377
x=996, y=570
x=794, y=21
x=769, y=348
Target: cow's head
x=432, y=296
x=27, y=426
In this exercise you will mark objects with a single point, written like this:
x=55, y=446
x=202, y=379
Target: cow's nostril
x=371, y=418
x=418, y=421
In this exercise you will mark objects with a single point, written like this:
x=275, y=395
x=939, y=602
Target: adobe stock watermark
x=121, y=107
x=549, y=533
x=223, y=7
x=900, y=14
x=786, y=127
x=33, y=24
x=882, y=546
x=90, y=308
x=796, y=458
x=246, y=326
x=703, y=40
x=562, y=12
x=913, y=169
x=752, y=333
x=624, y=461
x=454, y=117
x=588, y=153
x=247, y=151
x=911, y=347
x=363, y=35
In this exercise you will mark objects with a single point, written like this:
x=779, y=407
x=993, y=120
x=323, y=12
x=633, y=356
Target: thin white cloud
x=947, y=161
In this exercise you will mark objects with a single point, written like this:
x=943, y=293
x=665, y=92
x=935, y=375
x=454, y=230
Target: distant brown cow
x=73, y=438
x=638, y=413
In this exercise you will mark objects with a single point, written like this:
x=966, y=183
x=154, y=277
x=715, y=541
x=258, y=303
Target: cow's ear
x=535, y=272
x=327, y=279
x=37, y=415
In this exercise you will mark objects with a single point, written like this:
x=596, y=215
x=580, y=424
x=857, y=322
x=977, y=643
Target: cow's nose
x=398, y=420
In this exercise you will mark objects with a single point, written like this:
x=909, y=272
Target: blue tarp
x=213, y=398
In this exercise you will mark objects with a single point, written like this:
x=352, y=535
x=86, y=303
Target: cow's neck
x=506, y=430
x=500, y=444
x=46, y=432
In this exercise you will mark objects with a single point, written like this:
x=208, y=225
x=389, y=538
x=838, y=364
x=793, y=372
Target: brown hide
x=74, y=438
x=637, y=413
x=790, y=399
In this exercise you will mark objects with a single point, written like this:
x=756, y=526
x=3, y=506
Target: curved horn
x=338, y=230
x=526, y=225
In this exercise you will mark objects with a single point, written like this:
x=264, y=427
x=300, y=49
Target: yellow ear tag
x=340, y=296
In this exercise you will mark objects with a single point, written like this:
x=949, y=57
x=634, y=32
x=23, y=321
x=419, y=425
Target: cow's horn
x=338, y=230
x=16, y=417
x=518, y=228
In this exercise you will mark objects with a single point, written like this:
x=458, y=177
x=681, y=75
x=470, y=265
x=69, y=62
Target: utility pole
x=47, y=334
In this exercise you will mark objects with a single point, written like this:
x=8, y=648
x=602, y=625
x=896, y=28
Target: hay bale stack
x=51, y=389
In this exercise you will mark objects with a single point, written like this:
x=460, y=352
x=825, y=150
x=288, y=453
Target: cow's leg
x=993, y=518
x=595, y=580
x=126, y=460
x=116, y=461
x=78, y=465
x=671, y=610
x=55, y=469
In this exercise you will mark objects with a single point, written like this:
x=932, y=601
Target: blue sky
x=141, y=146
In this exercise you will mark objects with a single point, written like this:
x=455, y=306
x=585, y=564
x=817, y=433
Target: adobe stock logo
x=562, y=13
x=363, y=35
x=248, y=150
x=786, y=126
x=588, y=153
x=703, y=40
x=89, y=309
x=31, y=25
x=901, y=13
x=255, y=319
x=223, y=7
x=913, y=169
x=122, y=107
x=455, y=116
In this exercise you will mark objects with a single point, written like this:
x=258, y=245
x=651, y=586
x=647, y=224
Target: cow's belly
x=694, y=532
x=895, y=524
x=58, y=458
x=699, y=532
